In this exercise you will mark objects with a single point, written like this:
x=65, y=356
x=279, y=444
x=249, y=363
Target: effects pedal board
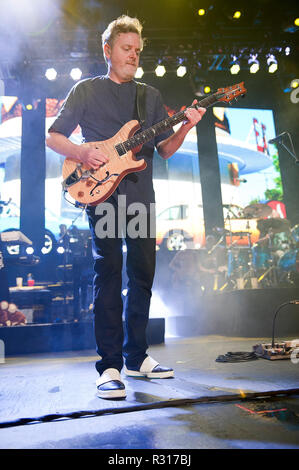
x=283, y=350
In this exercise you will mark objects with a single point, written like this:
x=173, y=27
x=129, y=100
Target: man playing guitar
x=101, y=106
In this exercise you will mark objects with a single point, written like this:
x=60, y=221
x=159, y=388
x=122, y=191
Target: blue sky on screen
x=241, y=128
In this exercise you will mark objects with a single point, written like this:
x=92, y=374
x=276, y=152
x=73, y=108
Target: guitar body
x=88, y=190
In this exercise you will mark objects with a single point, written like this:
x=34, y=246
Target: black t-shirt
x=101, y=107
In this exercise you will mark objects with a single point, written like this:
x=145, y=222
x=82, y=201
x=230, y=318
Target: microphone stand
x=216, y=244
x=292, y=153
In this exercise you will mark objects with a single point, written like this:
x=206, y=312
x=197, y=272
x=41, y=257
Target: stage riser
x=56, y=337
x=244, y=313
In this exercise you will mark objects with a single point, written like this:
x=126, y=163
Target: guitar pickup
x=121, y=149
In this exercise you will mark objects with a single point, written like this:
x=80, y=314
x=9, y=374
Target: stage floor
x=32, y=386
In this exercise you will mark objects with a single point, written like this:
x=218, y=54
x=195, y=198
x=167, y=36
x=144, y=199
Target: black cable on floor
x=240, y=356
x=150, y=406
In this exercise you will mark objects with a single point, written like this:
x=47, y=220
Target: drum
x=282, y=241
x=295, y=233
x=238, y=262
x=261, y=257
x=289, y=261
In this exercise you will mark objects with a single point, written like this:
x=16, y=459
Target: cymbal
x=274, y=225
x=257, y=210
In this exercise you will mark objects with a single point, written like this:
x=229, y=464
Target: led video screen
x=249, y=167
x=10, y=157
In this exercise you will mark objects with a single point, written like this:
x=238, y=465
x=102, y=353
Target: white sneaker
x=110, y=385
x=150, y=369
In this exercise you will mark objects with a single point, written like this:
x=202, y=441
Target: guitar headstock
x=231, y=92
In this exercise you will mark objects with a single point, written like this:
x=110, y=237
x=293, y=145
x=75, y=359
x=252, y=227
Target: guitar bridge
x=76, y=176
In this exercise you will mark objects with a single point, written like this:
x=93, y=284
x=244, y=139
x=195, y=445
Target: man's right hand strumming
x=87, y=153
x=92, y=156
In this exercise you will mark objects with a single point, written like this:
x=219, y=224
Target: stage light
x=160, y=70
x=296, y=22
x=76, y=74
x=29, y=107
x=44, y=250
x=254, y=64
x=272, y=63
x=124, y=292
x=207, y=89
x=237, y=15
x=234, y=65
x=287, y=50
x=272, y=68
x=254, y=67
x=60, y=250
x=235, y=68
x=181, y=71
x=295, y=83
x=201, y=11
x=29, y=250
x=51, y=74
x=139, y=72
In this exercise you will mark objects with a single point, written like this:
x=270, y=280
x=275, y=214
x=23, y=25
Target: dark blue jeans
x=114, y=342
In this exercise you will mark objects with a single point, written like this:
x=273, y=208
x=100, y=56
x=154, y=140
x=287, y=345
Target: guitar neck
x=162, y=126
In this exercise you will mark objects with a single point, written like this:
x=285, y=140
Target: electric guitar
x=90, y=187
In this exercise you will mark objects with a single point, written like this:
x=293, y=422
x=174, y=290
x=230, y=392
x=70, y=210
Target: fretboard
x=162, y=126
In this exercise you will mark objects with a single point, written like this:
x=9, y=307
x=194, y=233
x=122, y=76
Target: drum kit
x=273, y=260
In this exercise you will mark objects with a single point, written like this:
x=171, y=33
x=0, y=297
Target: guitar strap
x=141, y=102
